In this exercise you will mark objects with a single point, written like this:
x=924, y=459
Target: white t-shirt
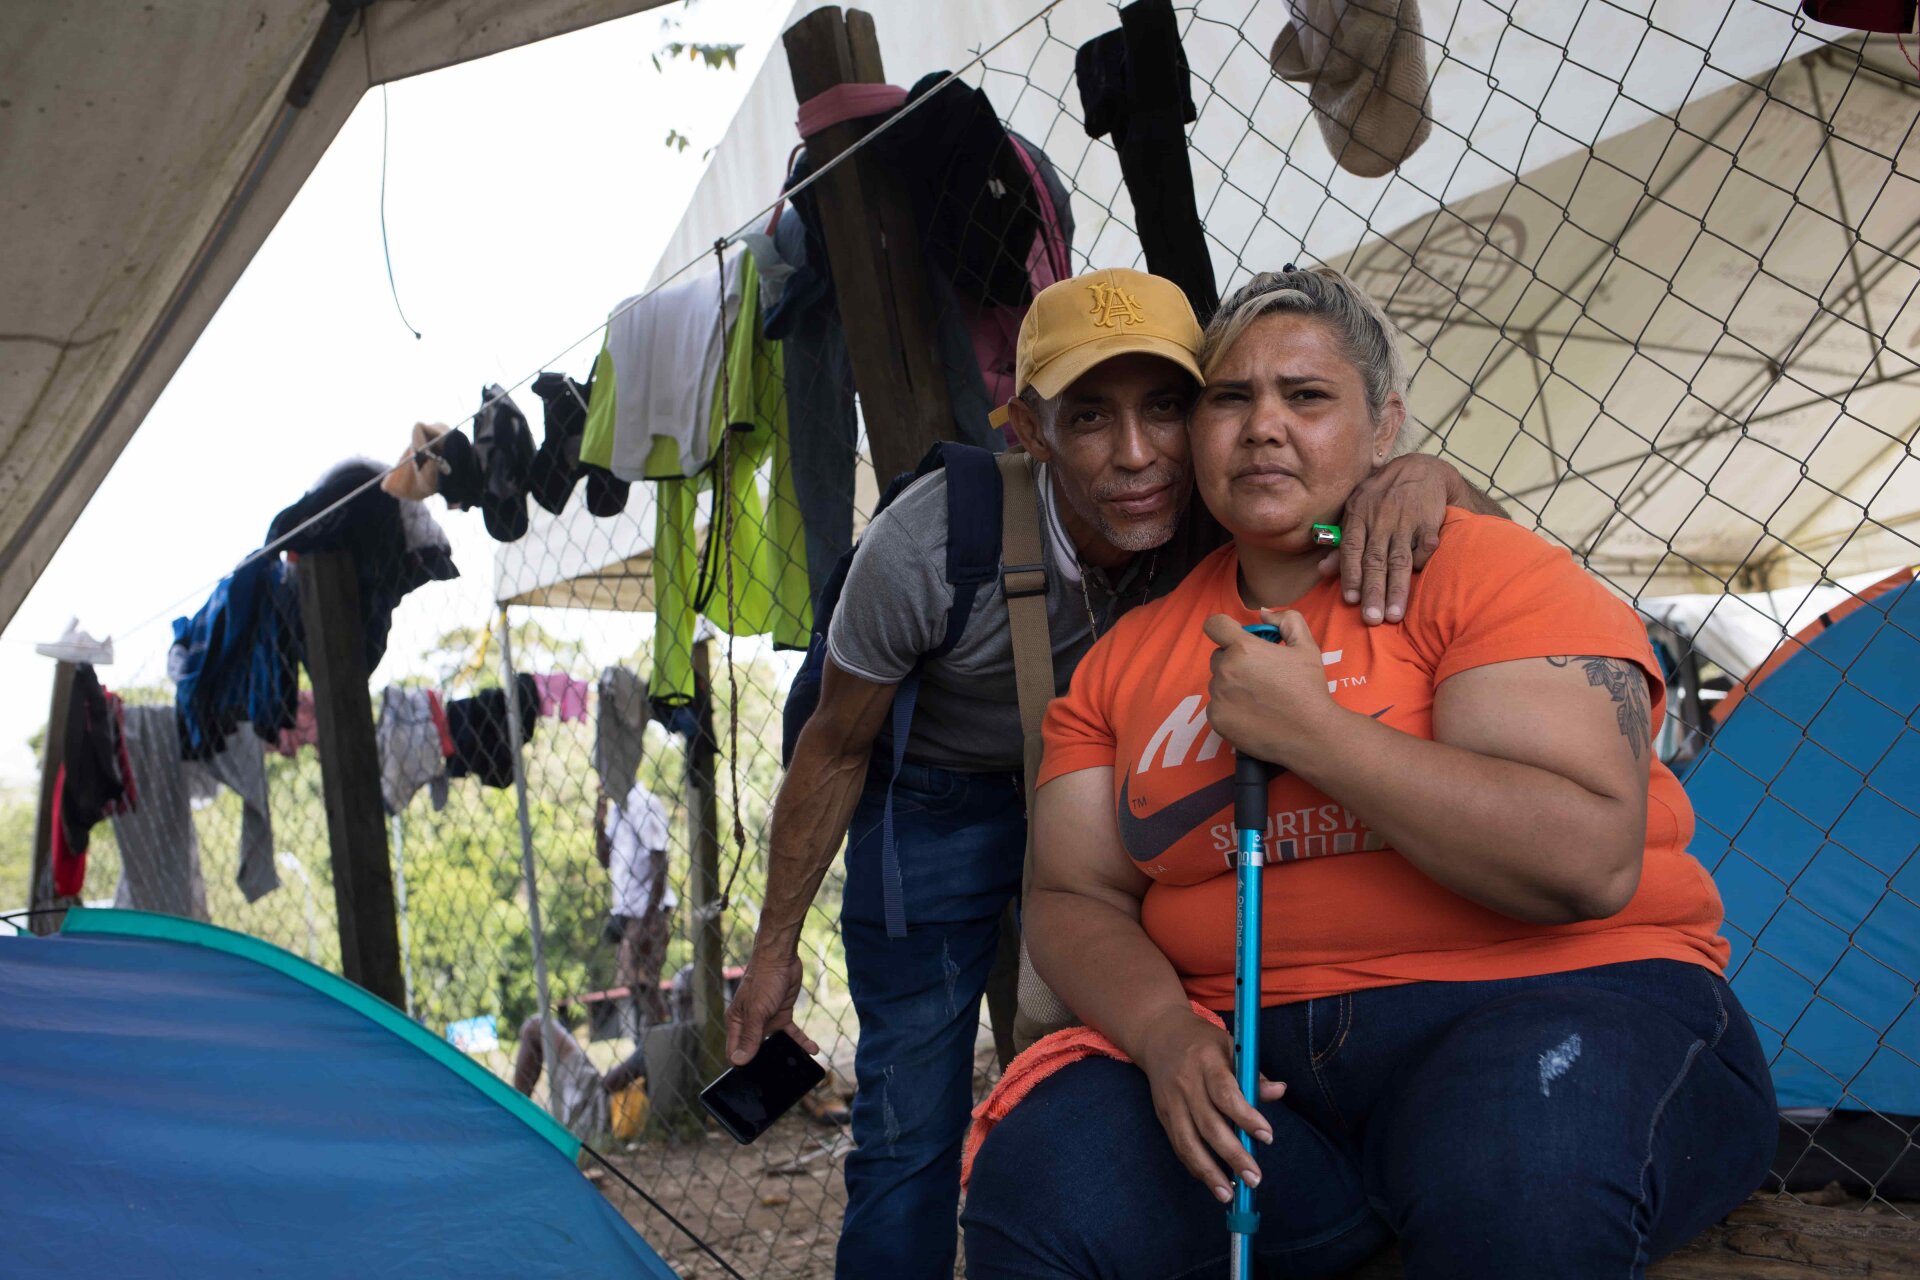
x=666, y=353
x=637, y=828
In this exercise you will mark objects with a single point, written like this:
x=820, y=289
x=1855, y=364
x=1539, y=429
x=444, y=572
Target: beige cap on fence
x=1366, y=63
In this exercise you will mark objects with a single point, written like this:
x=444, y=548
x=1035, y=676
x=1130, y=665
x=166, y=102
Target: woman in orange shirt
x=1491, y=991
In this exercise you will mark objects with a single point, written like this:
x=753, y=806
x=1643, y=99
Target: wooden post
x=709, y=983
x=873, y=244
x=350, y=775
x=53, y=750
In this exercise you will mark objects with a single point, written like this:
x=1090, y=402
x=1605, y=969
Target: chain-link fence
x=1654, y=266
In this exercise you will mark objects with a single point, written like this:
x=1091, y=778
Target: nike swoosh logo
x=1146, y=839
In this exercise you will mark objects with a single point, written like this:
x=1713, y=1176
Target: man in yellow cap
x=1107, y=367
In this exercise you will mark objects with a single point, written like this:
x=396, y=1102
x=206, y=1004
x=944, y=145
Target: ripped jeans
x=961, y=839
x=1571, y=1125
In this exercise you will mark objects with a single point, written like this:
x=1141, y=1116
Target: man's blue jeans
x=1573, y=1125
x=961, y=839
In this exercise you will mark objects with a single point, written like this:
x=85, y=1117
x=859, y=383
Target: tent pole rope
x=514, y=741
x=661, y=1209
x=723, y=502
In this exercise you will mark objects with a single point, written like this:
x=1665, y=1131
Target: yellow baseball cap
x=1079, y=323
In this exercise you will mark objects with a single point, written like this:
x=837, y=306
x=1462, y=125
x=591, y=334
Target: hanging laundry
x=966, y=389
x=396, y=547
x=123, y=761
x=995, y=218
x=750, y=574
x=88, y=784
x=973, y=196
x=415, y=740
x=997, y=227
x=653, y=382
x=558, y=466
x=305, y=731
x=478, y=727
x=504, y=444
x=463, y=481
x=822, y=428
x=619, y=730
x=1134, y=84
x=242, y=767
x=237, y=659
x=563, y=696
x=159, y=848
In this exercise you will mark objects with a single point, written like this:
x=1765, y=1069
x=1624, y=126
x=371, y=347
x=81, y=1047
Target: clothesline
x=749, y=223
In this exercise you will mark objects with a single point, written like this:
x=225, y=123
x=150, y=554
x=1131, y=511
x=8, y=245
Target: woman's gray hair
x=1365, y=333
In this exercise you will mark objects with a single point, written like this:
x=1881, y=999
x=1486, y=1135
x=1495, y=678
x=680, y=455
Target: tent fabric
x=181, y=1100
x=1738, y=632
x=1805, y=801
x=147, y=151
x=1796, y=642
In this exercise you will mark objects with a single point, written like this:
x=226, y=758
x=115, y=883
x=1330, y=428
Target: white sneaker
x=77, y=646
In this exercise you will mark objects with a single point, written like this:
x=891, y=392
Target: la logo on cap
x=1114, y=306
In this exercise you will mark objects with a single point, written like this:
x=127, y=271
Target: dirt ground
x=771, y=1209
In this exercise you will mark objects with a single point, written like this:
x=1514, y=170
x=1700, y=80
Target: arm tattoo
x=1627, y=687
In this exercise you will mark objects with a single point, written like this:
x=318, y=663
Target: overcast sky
x=526, y=194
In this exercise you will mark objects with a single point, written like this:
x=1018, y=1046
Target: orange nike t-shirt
x=1343, y=911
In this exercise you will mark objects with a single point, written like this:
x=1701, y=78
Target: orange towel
x=1042, y=1059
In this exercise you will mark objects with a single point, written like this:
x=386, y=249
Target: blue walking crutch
x=1251, y=778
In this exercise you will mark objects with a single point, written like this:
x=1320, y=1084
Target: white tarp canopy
x=1657, y=356
x=146, y=151
x=1689, y=354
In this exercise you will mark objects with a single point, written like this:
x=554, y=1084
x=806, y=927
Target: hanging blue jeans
x=1573, y=1125
x=961, y=838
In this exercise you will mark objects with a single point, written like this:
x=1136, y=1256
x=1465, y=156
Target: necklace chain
x=1086, y=597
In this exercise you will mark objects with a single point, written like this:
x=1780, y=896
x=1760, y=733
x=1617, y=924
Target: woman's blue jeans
x=1573, y=1125
x=961, y=839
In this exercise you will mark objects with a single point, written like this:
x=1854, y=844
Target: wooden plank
x=53, y=749
x=709, y=983
x=1772, y=1238
x=350, y=775
x=873, y=246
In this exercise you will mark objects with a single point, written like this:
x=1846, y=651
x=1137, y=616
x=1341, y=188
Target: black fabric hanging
x=1134, y=84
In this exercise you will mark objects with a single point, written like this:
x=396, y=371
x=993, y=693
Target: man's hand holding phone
x=748, y=1098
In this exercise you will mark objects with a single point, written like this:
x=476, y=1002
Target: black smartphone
x=747, y=1100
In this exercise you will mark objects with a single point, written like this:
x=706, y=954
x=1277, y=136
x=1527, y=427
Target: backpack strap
x=1038, y=1009
x=1023, y=580
x=974, y=506
x=1024, y=583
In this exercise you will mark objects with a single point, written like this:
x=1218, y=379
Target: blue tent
x=179, y=1100
x=1808, y=801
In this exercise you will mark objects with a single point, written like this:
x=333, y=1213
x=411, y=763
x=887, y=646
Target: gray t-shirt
x=894, y=609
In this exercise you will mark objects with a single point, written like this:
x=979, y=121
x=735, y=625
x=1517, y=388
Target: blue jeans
x=1572, y=1125
x=961, y=839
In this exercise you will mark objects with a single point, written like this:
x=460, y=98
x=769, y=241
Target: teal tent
x=179, y=1100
